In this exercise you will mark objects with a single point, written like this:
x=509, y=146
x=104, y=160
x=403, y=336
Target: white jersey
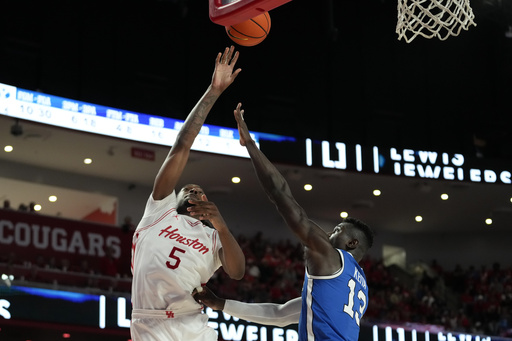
x=171, y=255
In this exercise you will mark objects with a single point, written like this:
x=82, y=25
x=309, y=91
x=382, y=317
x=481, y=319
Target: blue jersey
x=332, y=306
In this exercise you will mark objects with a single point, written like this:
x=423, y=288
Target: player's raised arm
x=172, y=168
x=278, y=191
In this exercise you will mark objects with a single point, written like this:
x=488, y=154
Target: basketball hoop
x=232, y=12
x=433, y=18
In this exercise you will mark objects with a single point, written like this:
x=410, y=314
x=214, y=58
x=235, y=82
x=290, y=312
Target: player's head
x=188, y=192
x=352, y=235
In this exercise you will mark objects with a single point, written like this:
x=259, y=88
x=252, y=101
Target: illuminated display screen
x=54, y=306
x=418, y=332
x=92, y=118
x=405, y=162
x=98, y=119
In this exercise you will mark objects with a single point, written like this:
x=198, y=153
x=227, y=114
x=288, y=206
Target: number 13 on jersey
x=350, y=306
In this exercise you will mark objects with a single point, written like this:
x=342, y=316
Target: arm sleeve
x=266, y=313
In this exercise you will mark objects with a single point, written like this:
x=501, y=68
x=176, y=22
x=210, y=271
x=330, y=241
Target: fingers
x=202, y=209
x=229, y=54
x=235, y=58
x=235, y=74
x=201, y=215
x=198, y=294
x=242, y=126
x=237, y=111
x=239, y=115
x=228, y=57
x=199, y=203
x=225, y=55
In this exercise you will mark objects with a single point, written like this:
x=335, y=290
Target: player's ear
x=352, y=244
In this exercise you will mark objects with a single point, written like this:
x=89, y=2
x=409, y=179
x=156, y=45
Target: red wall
x=25, y=237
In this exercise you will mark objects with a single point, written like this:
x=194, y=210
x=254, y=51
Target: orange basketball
x=250, y=32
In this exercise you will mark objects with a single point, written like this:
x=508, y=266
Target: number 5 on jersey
x=177, y=260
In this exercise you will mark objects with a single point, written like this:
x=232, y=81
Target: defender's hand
x=208, y=298
x=243, y=131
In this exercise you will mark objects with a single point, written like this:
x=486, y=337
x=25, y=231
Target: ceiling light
x=235, y=180
x=488, y=221
x=377, y=192
x=87, y=161
x=418, y=218
x=444, y=196
x=52, y=198
x=343, y=214
x=8, y=149
x=308, y=187
x=7, y=279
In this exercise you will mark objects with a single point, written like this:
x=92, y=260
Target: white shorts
x=182, y=328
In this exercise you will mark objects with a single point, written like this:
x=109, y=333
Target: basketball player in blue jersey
x=335, y=292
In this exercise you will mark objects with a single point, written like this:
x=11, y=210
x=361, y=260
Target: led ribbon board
x=98, y=119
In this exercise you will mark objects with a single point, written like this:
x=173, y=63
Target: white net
x=433, y=18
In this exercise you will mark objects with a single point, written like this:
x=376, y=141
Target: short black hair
x=358, y=224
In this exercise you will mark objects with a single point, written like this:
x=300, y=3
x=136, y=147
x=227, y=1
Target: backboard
x=232, y=12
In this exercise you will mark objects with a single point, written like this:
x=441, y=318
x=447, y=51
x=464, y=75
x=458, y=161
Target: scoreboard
x=93, y=118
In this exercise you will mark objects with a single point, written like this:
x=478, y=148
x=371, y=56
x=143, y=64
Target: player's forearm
x=266, y=313
x=270, y=178
x=197, y=116
x=278, y=191
x=233, y=257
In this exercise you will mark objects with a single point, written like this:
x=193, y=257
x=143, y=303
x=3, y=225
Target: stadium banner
x=28, y=239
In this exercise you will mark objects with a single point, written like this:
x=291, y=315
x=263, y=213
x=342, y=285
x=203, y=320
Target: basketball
x=250, y=32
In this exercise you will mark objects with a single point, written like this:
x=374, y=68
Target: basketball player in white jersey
x=335, y=292
x=173, y=251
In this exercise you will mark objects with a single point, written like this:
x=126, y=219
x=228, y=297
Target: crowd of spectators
x=63, y=273
x=31, y=207
x=472, y=300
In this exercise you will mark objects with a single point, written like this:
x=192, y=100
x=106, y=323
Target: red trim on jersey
x=214, y=240
x=158, y=220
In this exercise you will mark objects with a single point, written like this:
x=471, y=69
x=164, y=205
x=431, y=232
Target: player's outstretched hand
x=208, y=298
x=243, y=131
x=224, y=75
